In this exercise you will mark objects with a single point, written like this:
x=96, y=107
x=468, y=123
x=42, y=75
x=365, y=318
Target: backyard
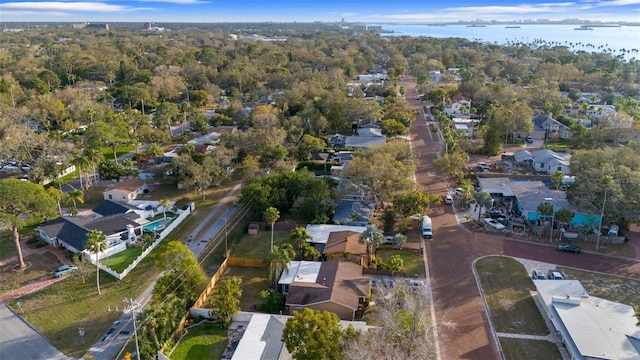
x=203, y=341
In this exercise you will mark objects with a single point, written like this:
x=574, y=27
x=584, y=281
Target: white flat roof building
x=320, y=233
x=591, y=327
x=302, y=271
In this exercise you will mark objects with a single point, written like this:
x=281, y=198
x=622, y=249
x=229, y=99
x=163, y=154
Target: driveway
x=451, y=254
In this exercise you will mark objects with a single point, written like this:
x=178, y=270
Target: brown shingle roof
x=345, y=241
x=128, y=185
x=338, y=281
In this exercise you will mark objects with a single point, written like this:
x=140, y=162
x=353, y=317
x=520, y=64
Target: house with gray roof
x=70, y=232
x=543, y=124
x=364, y=138
x=259, y=336
x=550, y=162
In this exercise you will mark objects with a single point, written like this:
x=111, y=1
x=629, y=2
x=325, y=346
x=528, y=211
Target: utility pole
x=133, y=307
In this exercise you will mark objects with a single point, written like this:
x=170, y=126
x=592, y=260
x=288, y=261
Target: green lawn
x=516, y=349
x=122, y=260
x=7, y=247
x=413, y=264
x=58, y=310
x=254, y=280
x=203, y=341
x=506, y=287
x=257, y=246
x=108, y=152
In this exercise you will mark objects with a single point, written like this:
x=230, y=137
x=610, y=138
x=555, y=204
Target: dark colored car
x=64, y=270
x=570, y=248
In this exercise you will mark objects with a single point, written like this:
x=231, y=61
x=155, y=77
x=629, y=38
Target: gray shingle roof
x=110, y=207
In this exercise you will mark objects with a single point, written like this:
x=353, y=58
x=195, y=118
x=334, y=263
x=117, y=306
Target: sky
x=371, y=11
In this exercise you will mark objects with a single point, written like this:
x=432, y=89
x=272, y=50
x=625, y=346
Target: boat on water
x=512, y=27
x=583, y=28
x=476, y=25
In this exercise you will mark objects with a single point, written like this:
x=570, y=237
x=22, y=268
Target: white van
x=427, y=229
x=613, y=230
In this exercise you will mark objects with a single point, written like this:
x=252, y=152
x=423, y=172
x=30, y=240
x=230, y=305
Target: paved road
x=451, y=254
x=18, y=340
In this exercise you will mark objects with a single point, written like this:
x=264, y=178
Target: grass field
x=203, y=341
x=58, y=310
x=254, y=280
x=506, y=287
x=516, y=349
x=257, y=246
x=413, y=264
x=122, y=260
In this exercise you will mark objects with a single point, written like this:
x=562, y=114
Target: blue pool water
x=156, y=225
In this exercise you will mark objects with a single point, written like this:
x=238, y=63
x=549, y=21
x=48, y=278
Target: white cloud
x=56, y=7
x=619, y=3
x=179, y=2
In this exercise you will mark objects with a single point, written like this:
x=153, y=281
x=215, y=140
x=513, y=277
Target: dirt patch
x=42, y=264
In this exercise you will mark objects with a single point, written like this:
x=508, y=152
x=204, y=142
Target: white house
x=125, y=191
x=590, y=327
x=459, y=106
x=466, y=126
x=549, y=162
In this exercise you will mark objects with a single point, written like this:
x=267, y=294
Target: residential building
x=70, y=232
x=524, y=197
x=259, y=336
x=547, y=127
x=336, y=286
x=590, y=327
x=364, y=138
x=465, y=126
x=346, y=244
x=125, y=191
x=550, y=162
x=320, y=233
x=459, y=106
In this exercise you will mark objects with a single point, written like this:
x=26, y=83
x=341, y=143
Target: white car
x=448, y=199
x=492, y=224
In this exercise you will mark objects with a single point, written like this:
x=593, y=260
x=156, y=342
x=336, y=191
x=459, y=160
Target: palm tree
x=81, y=162
x=299, y=236
x=96, y=243
x=165, y=205
x=153, y=151
x=372, y=237
x=399, y=240
x=76, y=195
x=278, y=259
x=482, y=199
x=95, y=156
x=271, y=215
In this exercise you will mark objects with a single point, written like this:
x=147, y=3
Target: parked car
x=459, y=192
x=555, y=275
x=569, y=248
x=538, y=275
x=528, y=139
x=492, y=224
x=64, y=270
x=448, y=199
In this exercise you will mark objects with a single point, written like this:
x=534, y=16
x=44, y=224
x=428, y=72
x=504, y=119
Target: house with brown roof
x=125, y=191
x=335, y=285
x=346, y=244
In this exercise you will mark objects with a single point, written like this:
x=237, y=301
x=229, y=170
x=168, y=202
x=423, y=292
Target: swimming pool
x=157, y=225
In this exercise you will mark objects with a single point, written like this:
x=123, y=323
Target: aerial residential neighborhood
x=232, y=191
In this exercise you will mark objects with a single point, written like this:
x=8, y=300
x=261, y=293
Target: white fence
x=183, y=215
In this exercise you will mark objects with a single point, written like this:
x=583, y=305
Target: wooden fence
x=235, y=261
